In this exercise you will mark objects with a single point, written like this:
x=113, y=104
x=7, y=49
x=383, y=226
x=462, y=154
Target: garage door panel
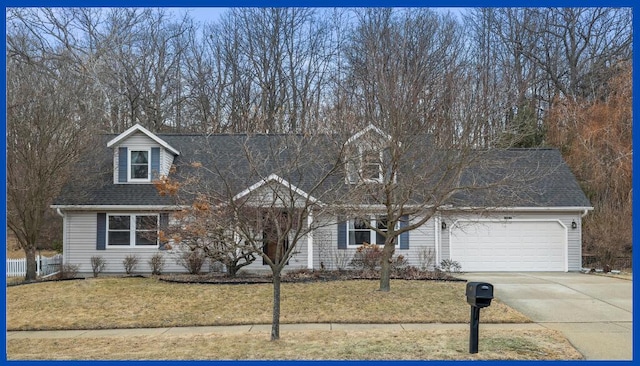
x=509, y=246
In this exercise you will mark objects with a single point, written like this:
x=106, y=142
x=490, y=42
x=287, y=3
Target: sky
x=206, y=14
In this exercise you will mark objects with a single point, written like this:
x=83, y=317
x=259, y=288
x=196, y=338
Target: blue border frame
x=326, y=3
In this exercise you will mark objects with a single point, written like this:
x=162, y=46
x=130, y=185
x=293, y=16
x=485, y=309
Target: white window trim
x=132, y=231
x=372, y=235
x=130, y=171
x=361, y=169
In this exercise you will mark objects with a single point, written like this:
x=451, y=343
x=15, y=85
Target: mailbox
x=479, y=294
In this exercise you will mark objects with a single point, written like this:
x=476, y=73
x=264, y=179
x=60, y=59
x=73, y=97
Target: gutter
x=118, y=207
x=567, y=208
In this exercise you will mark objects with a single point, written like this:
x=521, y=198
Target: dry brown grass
x=308, y=345
x=102, y=303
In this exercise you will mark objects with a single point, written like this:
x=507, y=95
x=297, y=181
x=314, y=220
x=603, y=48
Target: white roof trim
x=151, y=135
x=365, y=130
x=554, y=208
x=119, y=207
x=278, y=179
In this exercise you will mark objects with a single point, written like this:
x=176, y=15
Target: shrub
x=399, y=264
x=427, y=257
x=97, y=265
x=156, y=262
x=192, y=260
x=130, y=263
x=450, y=266
x=367, y=257
x=68, y=271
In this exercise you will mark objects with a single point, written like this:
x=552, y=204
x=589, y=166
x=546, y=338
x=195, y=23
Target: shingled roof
x=554, y=187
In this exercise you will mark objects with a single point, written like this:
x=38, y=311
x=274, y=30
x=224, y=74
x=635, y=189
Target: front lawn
x=100, y=303
x=309, y=345
x=148, y=302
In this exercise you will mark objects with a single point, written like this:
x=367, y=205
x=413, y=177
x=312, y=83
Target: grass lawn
x=102, y=303
x=308, y=345
x=147, y=302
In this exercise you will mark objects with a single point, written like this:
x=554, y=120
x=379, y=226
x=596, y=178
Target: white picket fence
x=44, y=266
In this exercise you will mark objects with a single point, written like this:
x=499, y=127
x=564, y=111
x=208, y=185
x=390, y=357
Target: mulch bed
x=302, y=276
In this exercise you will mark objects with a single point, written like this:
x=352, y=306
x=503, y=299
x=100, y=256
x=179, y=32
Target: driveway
x=593, y=312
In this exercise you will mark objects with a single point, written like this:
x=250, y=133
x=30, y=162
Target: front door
x=270, y=239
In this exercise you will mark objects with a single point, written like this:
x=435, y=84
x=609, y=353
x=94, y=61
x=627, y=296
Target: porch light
x=574, y=225
x=443, y=225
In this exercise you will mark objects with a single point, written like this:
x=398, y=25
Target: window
x=139, y=164
x=371, y=166
x=381, y=223
x=359, y=233
x=132, y=230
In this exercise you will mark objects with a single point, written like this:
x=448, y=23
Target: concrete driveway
x=593, y=312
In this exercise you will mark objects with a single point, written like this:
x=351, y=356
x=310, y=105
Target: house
x=120, y=213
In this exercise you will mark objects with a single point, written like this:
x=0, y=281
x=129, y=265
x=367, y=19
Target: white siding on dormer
x=140, y=141
x=166, y=160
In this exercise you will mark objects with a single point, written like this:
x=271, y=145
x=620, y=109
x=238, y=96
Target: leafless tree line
x=301, y=69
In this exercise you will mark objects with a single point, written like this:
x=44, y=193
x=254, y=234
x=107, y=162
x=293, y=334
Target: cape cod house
x=113, y=218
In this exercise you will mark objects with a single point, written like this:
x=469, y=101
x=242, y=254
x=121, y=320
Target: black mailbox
x=479, y=294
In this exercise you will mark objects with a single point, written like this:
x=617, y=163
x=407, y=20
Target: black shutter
x=155, y=162
x=342, y=233
x=164, y=224
x=404, y=237
x=122, y=164
x=101, y=224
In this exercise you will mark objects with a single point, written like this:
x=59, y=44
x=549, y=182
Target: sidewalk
x=259, y=328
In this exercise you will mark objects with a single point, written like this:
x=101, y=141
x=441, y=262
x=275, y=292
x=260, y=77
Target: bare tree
x=261, y=193
x=49, y=127
x=422, y=151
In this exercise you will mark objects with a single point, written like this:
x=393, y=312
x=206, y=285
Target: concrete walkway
x=595, y=313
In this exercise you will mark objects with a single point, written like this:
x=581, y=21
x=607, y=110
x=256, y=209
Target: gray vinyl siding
x=140, y=141
x=325, y=246
x=80, y=233
x=574, y=236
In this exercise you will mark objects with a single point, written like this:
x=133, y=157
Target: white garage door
x=509, y=245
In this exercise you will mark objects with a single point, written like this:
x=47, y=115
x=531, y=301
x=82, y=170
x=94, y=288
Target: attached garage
x=509, y=245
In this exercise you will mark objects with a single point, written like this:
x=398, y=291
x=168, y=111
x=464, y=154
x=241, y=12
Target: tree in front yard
x=427, y=148
x=255, y=196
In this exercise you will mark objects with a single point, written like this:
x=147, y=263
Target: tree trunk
x=275, y=324
x=30, y=253
x=385, y=265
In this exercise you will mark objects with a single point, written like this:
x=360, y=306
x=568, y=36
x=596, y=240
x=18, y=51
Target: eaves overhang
x=151, y=135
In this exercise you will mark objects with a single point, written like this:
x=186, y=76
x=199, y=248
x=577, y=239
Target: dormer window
x=139, y=165
x=140, y=156
x=366, y=152
x=371, y=166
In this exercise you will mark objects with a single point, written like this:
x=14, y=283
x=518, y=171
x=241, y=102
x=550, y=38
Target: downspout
x=437, y=245
x=309, y=240
x=64, y=235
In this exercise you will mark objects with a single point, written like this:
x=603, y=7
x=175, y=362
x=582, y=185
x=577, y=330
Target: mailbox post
x=479, y=295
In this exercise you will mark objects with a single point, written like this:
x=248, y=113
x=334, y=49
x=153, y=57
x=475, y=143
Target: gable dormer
x=365, y=156
x=139, y=156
